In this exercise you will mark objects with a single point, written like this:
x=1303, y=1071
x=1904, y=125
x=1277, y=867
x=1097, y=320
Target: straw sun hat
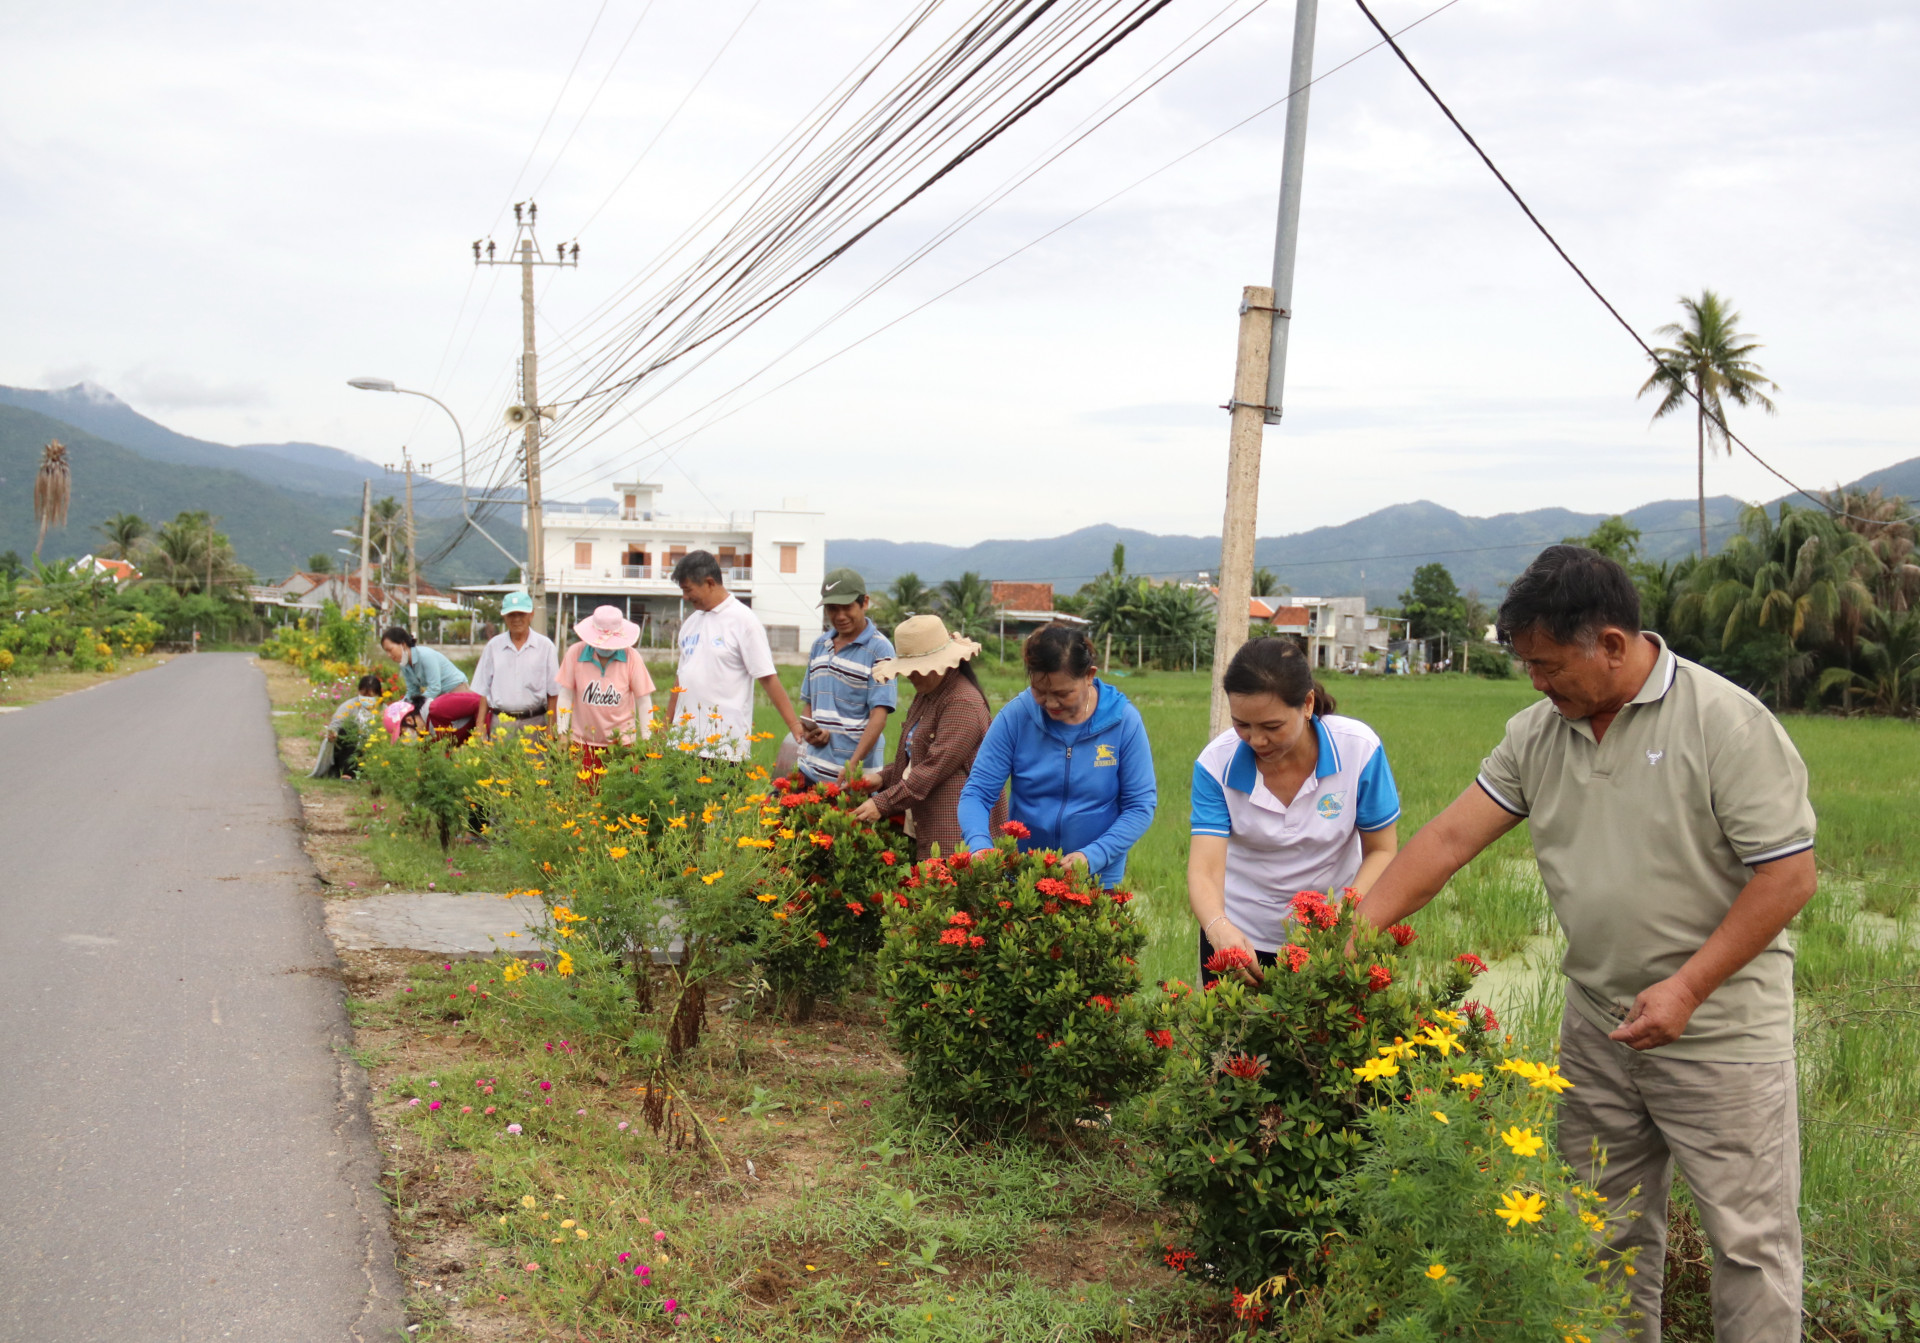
x=923, y=644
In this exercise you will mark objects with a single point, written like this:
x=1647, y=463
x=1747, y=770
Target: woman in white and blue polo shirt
x=1293, y=798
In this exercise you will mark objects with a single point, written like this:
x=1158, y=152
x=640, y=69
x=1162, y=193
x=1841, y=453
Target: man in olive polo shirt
x=1670, y=820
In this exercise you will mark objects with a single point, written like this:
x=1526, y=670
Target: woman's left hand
x=867, y=812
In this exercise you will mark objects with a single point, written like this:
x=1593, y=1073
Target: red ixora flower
x=821, y=938
x=899, y=899
x=1051, y=886
x=1246, y=1066
x=961, y=919
x=1312, y=909
x=1296, y=957
x=1472, y=962
x=1230, y=958
x=1481, y=1016
x=1246, y=1308
x=887, y=857
x=855, y=908
x=1402, y=934
x=1164, y=1039
x=1015, y=829
x=1378, y=977
x=976, y=942
x=1177, y=1260
x=1121, y=897
x=829, y=790
x=1078, y=897
x=954, y=937
x=1101, y=1001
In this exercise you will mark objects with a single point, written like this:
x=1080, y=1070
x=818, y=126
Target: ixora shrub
x=1461, y=1220
x=833, y=877
x=1260, y=1110
x=1011, y=985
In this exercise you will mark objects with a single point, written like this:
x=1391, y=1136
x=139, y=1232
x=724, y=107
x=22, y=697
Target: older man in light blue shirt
x=847, y=706
x=517, y=673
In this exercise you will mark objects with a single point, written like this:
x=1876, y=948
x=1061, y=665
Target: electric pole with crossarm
x=525, y=253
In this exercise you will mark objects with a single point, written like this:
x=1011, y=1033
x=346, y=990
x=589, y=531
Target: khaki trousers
x=1735, y=1130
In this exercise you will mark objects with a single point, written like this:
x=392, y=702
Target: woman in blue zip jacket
x=1077, y=753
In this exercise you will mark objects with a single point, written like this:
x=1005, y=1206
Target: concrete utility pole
x=366, y=540
x=526, y=254
x=413, y=546
x=1260, y=374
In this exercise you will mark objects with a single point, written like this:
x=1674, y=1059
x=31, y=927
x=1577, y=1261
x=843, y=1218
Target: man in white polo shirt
x=516, y=671
x=723, y=651
x=1670, y=819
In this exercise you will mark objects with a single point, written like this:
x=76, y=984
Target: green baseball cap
x=516, y=601
x=842, y=588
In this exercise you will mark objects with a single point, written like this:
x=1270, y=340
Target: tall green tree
x=1616, y=538
x=1266, y=583
x=967, y=605
x=122, y=532
x=1709, y=364
x=1778, y=591
x=320, y=562
x=1433, y=604
x=190, y=555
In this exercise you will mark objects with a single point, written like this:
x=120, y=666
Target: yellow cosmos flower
x=1594, y=1220
x=1548, y=1077
x=1399, y=1049
x=1453, y=1019
x=616, y=852
x=1375, y=1069
x=1516, y=1208
x=713, y=876
x=766, y=899
x=512, y=971
x=1436, y=1271
x=1523, y=1141
x=565, y=966
x=1469, y=1080
x=751, y=842
x=1441, y=1117
x=703, y=779
x=785, y=833
x=1445, y=1042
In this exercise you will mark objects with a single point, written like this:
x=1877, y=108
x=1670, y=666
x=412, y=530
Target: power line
x=1718, y=419
x=1003, y=260
x=580, y=120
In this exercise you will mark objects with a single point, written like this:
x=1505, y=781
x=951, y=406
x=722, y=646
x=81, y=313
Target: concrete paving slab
x=472, y=924
x=447, y=922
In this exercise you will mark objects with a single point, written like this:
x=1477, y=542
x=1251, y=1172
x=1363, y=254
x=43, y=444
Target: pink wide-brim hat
x=608, y=630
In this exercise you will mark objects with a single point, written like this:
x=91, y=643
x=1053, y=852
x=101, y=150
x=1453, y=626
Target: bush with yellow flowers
x=1260, y=1111
x=1460, y=1219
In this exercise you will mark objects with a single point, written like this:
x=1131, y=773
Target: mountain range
x=277, y=502
x=280, y=501
x=1375, y=554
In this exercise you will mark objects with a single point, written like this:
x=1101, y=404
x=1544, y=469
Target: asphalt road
x=184, y=1149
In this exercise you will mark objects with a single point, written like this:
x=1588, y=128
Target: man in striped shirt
x=848, y=709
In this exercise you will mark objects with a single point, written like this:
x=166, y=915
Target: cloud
x=172, y=389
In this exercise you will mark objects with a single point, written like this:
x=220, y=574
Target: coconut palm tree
x=1889, y=680
x=52, y=490
x=1777, y=590
x=967, y=605
x=122, y=532
x=1266, y=583
x=1708, y=364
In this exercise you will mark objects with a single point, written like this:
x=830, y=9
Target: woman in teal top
x=435, y=686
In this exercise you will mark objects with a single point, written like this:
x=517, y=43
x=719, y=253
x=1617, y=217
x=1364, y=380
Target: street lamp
x=466, y=505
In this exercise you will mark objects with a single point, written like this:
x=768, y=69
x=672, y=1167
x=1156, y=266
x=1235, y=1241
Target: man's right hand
x=817, y=736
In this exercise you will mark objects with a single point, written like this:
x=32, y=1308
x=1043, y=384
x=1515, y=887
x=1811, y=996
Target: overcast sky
x=222, y=211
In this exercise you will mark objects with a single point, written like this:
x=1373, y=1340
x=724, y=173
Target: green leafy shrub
x=1011, y=986
x=1462, y=1220
x=1260, y=1111
x=432, y=781
x=1490, y=660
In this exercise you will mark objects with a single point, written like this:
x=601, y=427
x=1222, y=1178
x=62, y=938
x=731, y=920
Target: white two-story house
x=623, y=555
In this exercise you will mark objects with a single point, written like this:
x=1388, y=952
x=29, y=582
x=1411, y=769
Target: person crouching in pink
x=606, y=694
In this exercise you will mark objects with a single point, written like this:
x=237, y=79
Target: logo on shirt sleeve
x=1653, y=757
x=1331, y=805
x=1103, y=755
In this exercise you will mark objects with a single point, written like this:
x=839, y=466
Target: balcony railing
x=734, y=576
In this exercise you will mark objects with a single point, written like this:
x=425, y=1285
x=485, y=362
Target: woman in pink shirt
x=605, y=692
